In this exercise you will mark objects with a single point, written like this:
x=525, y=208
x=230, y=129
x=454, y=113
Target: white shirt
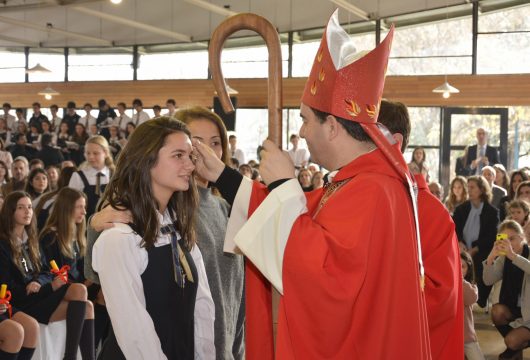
x=10, y=121
x=481, y=151
x=87, y=121
x=56, y=122
x=239, y=155
x=121, y=121
x=140, y=118
x=90, y=173
x=120, y=261
x=300, y=157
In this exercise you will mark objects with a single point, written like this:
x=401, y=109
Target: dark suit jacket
x=489, y=220
x=491, y=153
x=22, y=150
x=16, y=281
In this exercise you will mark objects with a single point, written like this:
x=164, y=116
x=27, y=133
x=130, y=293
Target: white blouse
x=120, y=261
x=91, y=175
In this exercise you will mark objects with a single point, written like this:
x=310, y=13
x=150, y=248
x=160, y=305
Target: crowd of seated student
x=54, y=186
x=478, y=220
x=57, y=142
x=37, y=137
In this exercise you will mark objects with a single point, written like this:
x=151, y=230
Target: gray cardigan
x=493, y=273
x=226, y=276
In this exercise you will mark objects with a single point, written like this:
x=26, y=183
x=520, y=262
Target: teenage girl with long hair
x=33, y=289
x=63, y=237
x=151, y=271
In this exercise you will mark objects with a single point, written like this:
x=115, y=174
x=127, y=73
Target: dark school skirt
x=42, y=307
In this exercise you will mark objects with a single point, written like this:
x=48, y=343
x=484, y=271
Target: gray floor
x=489, y=339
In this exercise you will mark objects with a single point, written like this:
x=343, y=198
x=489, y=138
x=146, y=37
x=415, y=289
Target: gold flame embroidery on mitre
x=353, y=108
x=314, y=88
x=321, y=75
x=372, y=110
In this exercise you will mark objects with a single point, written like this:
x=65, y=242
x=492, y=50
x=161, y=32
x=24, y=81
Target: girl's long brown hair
x=130, y=186
x=62, y=224
x=452, y=202
x=64, y=180
x=7, y=221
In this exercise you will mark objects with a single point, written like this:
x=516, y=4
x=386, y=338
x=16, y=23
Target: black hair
x=46, y=139
x=354, y=129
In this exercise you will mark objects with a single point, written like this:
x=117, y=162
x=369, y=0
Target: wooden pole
x=270, y=35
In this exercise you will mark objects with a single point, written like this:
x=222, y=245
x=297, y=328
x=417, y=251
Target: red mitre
x=350, y=90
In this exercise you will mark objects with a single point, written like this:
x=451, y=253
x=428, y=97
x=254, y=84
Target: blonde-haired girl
x=96, y=173
x=509, y=261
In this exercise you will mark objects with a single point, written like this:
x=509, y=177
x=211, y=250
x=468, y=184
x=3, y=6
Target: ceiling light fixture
x=116, y=2
x=48, y=93
x=446, y=89
x=38, y=69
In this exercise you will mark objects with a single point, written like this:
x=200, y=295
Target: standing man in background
x=235, y=152
x=482, y=154
x=299, y=156
x=10, y=119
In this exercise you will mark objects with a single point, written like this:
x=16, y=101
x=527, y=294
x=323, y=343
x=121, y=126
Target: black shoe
x=510, y=354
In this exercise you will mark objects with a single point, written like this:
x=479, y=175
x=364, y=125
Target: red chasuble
x=443, y=276
x=350, y=274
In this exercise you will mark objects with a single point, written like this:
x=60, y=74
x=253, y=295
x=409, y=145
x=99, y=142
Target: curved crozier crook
x=270, y=35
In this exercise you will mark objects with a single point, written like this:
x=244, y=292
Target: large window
x=425, y=132
x=504, y=42
x=250, y=62
x=173, y=65
x=52, y=59
x=252, y=129
x=87, y=64
x=518, y=130
x=415, y=53
x=12, y=65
